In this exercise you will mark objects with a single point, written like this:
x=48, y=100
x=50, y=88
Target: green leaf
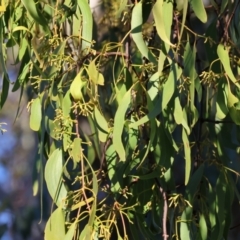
x=4, y=92
x=187, y=156
x=212, y=205
x=189, y=70
x=76, y=87
x=167, y=11
x=163, y=27
x=111, y=158
x=223, y=6
x=70, y=232
x=162, y=102
x=203, y=227
x=185, y=121
x=94, y=74
x=199, y=9
x=55, y=227
x=136, y=30
x=87, y=26
x=101, y=124
x=122, y=6
x=76, y=149
x=32, y=9
x=36, y=114
x=184, y=16
x=221, y=103
x=6, y=80
x=178, y=113
x=119, y=121
x=86, y=233
x=53, y=177
x=66, y=104
x=224, y=57
x=220, y=202
x=184, y=225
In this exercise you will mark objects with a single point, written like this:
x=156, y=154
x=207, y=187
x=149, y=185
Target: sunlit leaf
x=178, y=113
x=76, y=149
x=55, y=227
x=161, y=102
x=136, y=30
x=36, y=114
x=70, y=233
x=94, y=74
x=159, y=20
x=224, y=57
x=199, y=9
x=32, y=9
x=187, y=156
x=102, y=125
x=87, y=24
x=119, y=121
x=53, y=177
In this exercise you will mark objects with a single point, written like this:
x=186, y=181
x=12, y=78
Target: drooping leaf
x=119, y=121
x=101, y=124
x=187, y=156
x=94, y=74
x=185, y=224
x=163, y=27
x=203, y=227
x=6, y=80
x=76, y=149
x=55, y=227
x=32, y=9
x=199, y=9
x=221, y=103
x=224, y=57
x=136, y=31
x=178, y=113
x=53, y=177
x=36, y=114
x=87, y=25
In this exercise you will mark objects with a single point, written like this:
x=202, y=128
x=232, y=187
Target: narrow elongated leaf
x=76, y=149
x=203, y=227
x=178, y=113
x=30, y=5
x=53, y=177
x=136, y=27
x=36, y=115
x=224, y=57
x=221, y=103
x=199, y=10
x=220, y=202
x=101, y=125
x=87, y=25
x=119, y=121
x=6, y=80
x=55, y=227
x=184, y=226
x=163, y=29
x=187, y=156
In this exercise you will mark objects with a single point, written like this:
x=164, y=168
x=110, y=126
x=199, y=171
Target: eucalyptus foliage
x=159, y=90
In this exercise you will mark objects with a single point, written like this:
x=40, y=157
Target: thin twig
x=165, y=212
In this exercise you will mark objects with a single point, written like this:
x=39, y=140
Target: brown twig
x=165, y=212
